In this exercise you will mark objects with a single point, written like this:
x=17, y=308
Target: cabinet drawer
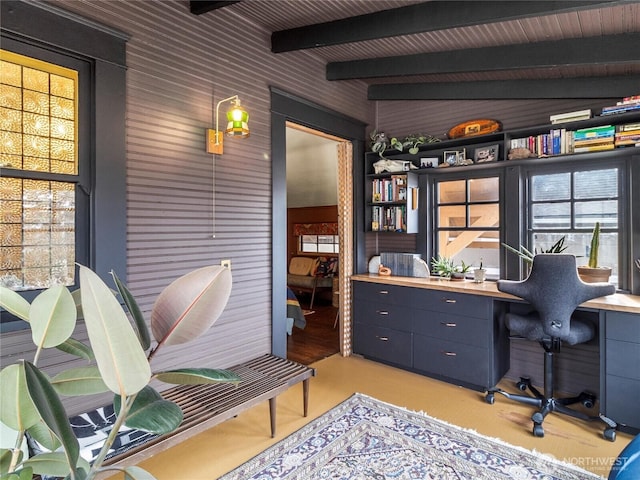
x=397, y=317
x=465, y=363
x=622, y=405
x=383, y=344
x=455, y=328
x=623, y=326
x=456, y=303
x=378, y=292
x=623, y=359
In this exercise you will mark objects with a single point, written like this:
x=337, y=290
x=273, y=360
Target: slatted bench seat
x=204, y=406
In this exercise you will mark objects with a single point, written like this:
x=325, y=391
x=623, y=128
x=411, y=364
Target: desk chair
x=554, y=290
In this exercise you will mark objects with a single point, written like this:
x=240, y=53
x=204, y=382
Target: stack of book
x=628, y=135
x=401, y=264
x=627, y=104
x=570, y=116
x=558, y=141
x=594, y=139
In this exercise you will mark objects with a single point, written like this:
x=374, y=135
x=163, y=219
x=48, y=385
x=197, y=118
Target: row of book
x=627, y=104
x=389, y=219
x=560, y=141
x=401, y=264
x=392, y=189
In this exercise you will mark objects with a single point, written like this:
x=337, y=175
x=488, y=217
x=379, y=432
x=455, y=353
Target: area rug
x=364, y=438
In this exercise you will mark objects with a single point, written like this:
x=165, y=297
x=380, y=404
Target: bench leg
x=305, y=396
x=272, y=414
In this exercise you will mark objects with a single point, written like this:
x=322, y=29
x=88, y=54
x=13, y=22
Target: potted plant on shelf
x=445, y=267
x=412, y=142
x=592, y=273
x=119, y=356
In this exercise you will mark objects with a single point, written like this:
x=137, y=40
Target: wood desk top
x=619, y=302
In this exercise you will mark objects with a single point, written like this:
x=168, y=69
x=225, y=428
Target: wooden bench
x=204, y=406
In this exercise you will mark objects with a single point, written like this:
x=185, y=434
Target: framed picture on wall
x=486, y=154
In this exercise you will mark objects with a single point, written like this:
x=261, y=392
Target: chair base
x=548, y=404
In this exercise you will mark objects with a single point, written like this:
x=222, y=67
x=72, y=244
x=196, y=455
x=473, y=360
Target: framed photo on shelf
x=454, y=157
x=486, y=154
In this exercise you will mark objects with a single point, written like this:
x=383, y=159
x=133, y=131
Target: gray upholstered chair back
x=554, y=289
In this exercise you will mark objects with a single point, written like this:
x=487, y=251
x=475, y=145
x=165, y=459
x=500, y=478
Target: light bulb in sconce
x=237, y=125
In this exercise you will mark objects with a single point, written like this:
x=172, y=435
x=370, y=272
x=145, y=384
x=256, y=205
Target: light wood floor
x=220, y=449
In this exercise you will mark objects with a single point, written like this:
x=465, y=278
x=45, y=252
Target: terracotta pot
x=594, y=275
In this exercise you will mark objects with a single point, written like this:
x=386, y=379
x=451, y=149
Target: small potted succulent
x=445, y=267
x=592, y=273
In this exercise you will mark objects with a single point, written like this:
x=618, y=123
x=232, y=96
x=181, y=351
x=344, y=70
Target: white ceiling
x=312, y=170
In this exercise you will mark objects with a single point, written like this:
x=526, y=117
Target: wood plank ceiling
x=409, y=50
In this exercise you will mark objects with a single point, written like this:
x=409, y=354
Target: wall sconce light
x=237, y=125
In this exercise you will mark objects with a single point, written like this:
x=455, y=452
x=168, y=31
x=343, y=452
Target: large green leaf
x=77, y=348
x=197, y=376
x=151, y=413
x=77, y=299
x=137, y=473
x=22, y=474
x=120, y=358
x=79, y=381
x=16, y=408
x=52, y=316
x=54, y=464
x=188, y=307
x=45, y=437
x=52, y=412
x=141, y=326
x=14, y=303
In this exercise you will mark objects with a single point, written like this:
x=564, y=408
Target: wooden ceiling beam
x=583, y=87
x=611, y=49
x=418, y=18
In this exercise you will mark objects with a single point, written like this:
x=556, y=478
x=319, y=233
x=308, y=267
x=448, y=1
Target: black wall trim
x=288, y=107
x=66, y=30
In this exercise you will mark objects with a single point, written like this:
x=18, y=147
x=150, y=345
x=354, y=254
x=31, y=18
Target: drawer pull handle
x=384, y=339
x=448, y=324
x=449, y=300
x=449, y=354
x=382, y=312
x=383, y=292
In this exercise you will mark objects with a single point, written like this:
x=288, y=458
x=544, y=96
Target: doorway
x=289, y=108
x=312, y=219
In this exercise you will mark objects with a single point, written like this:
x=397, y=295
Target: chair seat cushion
x=530, y=327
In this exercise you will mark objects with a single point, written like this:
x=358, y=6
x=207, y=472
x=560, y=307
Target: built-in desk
x=453, y=331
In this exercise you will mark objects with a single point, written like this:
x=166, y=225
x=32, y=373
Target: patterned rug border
x=267, y=458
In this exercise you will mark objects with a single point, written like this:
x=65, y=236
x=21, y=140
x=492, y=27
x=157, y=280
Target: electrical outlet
x=226, y=263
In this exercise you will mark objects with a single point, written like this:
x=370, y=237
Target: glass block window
x=39, y=160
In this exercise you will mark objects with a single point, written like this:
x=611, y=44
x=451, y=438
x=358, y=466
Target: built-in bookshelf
x=391, y=198
x=393, y=202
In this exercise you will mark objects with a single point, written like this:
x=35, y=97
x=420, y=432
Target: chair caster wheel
x=538, y=431
x=537, y=418
x=490, y=398
x=609, y=434
x=588, y=400
x=523, y=383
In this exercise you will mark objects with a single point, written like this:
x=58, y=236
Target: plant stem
x=125, y=406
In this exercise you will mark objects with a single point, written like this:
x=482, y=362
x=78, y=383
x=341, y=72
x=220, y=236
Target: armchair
x=554, y=290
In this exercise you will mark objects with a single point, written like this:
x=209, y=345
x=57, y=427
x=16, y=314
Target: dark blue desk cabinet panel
x=621, y=368
x=451, y=336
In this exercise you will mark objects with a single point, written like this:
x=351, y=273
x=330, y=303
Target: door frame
x=286, y=107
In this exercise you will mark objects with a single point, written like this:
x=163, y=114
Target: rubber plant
x=119, y=359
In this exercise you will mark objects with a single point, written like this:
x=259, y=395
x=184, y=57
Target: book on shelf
x=570, y=116
x=593, y=141
x=594, y=132
x=626, y=127
x=595, y=148
x=627, y=104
